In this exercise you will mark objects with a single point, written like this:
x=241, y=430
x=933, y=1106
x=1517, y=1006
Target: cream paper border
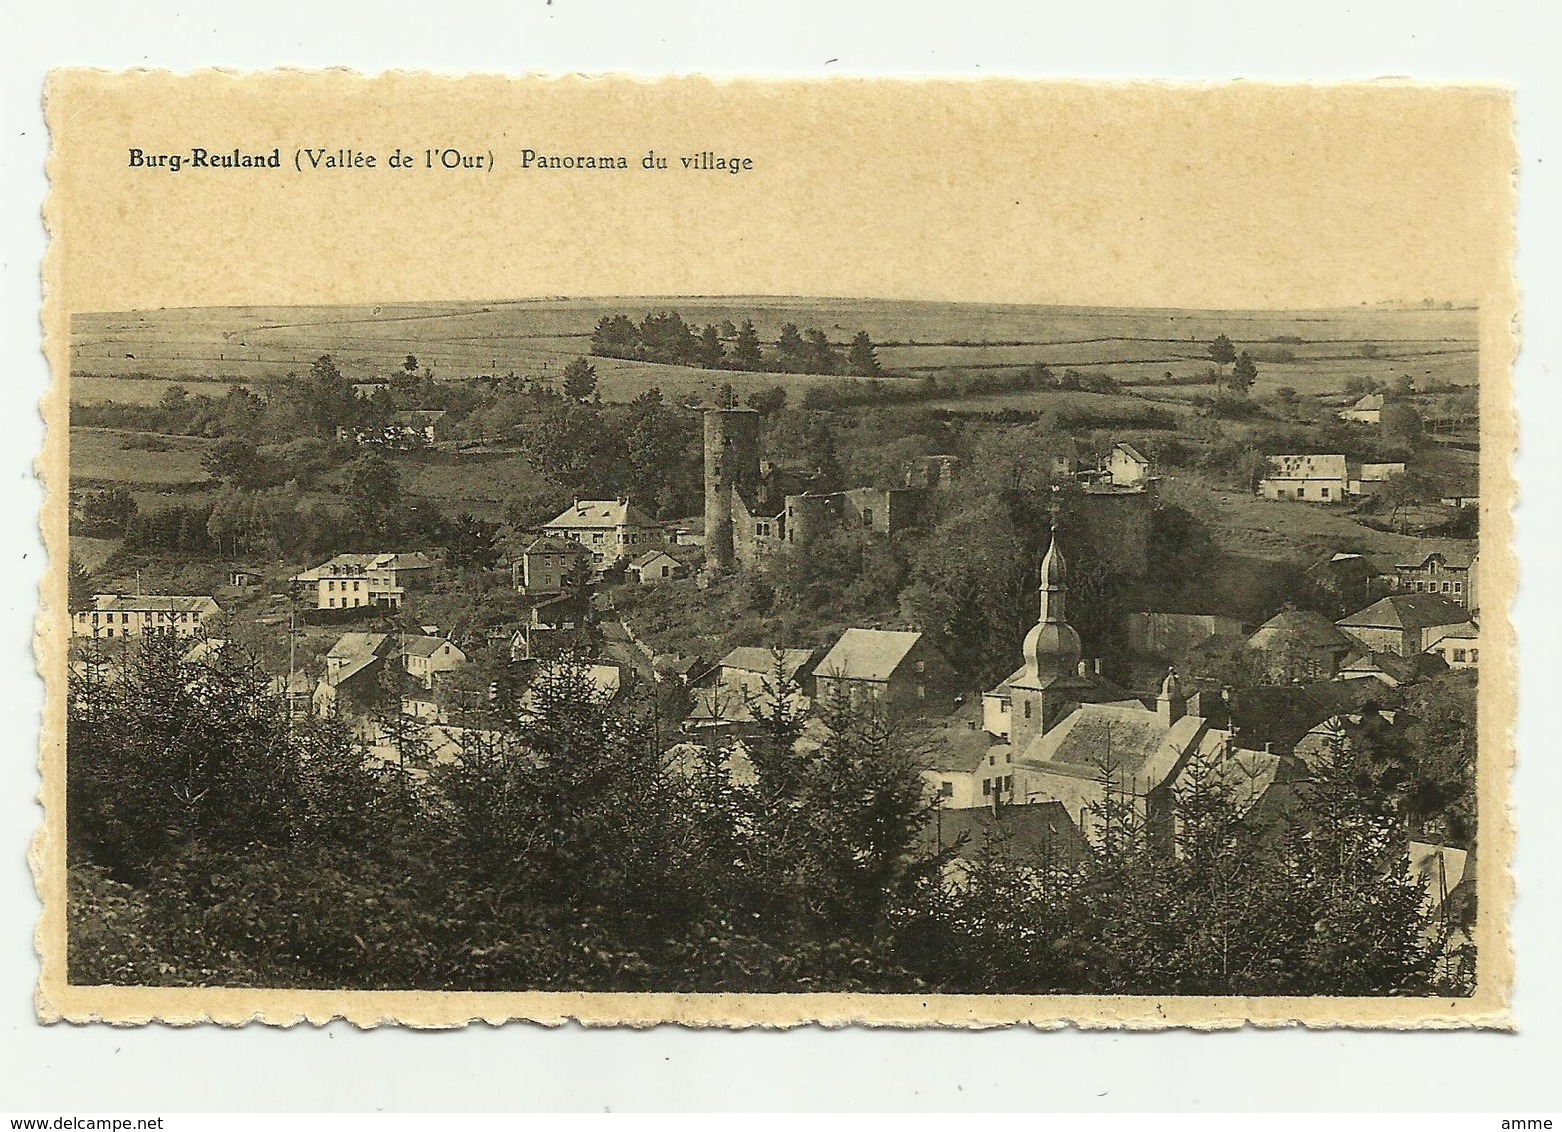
x=1332, y=195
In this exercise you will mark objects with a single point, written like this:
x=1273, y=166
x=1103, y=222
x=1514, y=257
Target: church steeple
x=1052, y=646
x=1054, y=583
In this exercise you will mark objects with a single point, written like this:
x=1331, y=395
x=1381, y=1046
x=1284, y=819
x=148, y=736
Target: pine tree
x=746, y=354
x=863, y=358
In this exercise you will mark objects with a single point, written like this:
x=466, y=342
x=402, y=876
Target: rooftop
x=1040, y=830
x=603, y=513
x=154, y=603
x=1131, y=742
x=1407, y=611
x=751, y=658
x=868, y=654
x=1330, y=467
x=1299, y=626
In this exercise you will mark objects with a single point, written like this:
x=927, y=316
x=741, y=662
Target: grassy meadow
x=131, y=356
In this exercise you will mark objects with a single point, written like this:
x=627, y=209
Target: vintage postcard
x=764, y=553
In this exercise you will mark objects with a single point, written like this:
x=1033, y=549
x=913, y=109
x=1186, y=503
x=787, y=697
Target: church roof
x=1131, y=742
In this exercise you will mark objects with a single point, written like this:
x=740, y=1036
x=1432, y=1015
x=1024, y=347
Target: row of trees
x=214, y=842
x=664, y=337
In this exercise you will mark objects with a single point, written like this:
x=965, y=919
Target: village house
x=656, y=566
x=1405, y=624
x=1368, y=479
x=749, y=677
x=961, y=764
x=418, y=426
x=1317, y=479
x=1299, y=645
x=121, y=616
x=356, y=581
x=1368, y=410
x=1458, y=645
x=352, y=683
x=1449, y=574
x=1038, y=836
x=548, y=564
x=611, y=529
x=1390, y=669
x=1324, y=479
x=549, y=616
x=425, y=657
x=296, y=692
x=1126, y=466
x=898, y=673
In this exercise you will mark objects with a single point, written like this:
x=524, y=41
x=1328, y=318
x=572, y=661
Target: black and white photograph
x=872, y=617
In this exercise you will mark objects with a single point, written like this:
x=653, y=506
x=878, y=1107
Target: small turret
x=1171, y=705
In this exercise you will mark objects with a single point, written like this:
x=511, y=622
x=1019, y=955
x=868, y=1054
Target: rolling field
x=100, y=455
x=536, y=338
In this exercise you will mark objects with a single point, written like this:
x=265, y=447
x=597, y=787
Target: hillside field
x=131, y=356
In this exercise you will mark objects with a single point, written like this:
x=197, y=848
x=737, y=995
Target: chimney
x=1171, y=705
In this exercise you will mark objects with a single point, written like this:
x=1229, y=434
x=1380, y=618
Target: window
x=1475, y=656
x=1458, y=587
x=1323, y=493
x=921, y=667
x=1458, y=656
x=921, y=691
x=331, y=584
x=596, y=539
x=987, y=787
x=992, y=760
x=1027, y=709
x=1003, y=707
x=1008, y=783
x=333, y=603
x=1447, y=587
x=946, y=789
x=666, y=571
x=1008, y=757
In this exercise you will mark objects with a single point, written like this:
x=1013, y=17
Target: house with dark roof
x=1403, y=623
x=656, y=566
x=1039, y=836
x=750, y=678
x=547, y=565
x=1316, y=479
x=1299, y=644
x=611, y=529
x=961, y=764
x=1451, y=574
x=898, y=673
x=1391, y=669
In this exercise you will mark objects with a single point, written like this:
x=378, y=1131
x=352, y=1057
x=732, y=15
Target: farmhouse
x=1126, y=466
x=1368, y=410
x=1368, y=479
x=424, y=657
x=125, y=615
x=1318, y=479
x=657, y=566
x=611, y=529
x=750, y=677
x=900, y=674
x=1404, y=623
x=1298, y=644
